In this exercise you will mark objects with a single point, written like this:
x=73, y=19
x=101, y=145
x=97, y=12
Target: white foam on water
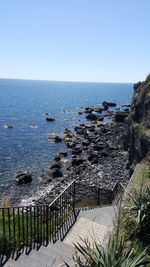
x=30, y=201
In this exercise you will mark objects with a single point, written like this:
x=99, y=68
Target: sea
x=25, y=104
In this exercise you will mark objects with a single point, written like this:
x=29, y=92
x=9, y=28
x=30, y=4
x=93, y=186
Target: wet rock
x=8, y=126
x=91, y=117
x=80, y=129
x=98, y=110
x=50, y=119
x=57, y=158
x=63, y=153
x=126, y=105
x=58, y=139
x=23, y=177
x=88, y=110
x=100, y=118
x=109, y=104
x=80, y=113
x=55, y=166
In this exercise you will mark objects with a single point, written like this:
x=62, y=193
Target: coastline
x=99, y=155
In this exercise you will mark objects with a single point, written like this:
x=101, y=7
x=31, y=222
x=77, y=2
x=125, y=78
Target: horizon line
x=28, y=79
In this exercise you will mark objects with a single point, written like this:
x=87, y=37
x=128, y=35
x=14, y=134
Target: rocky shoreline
x=99, y=153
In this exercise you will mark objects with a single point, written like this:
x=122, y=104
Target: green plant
x=138, y=218
x=113, y=255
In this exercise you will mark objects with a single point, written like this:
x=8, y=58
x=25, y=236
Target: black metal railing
x=28, y=227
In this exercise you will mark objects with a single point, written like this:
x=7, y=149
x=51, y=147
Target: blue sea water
x=23, y=104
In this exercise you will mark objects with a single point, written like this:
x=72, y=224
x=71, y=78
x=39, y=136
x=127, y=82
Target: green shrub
x=113, y=255
x=138, y=218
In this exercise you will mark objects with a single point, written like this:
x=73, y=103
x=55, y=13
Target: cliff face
x=139, y=123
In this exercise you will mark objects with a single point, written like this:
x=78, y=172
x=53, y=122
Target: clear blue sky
x=75, y=40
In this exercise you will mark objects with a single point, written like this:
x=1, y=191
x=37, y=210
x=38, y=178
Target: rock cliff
x=139, y=123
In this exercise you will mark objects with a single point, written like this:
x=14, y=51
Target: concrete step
x=53, y=255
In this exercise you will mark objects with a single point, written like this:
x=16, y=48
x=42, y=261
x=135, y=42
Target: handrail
x=30, y=225
x=61, y=194
x=39, y=205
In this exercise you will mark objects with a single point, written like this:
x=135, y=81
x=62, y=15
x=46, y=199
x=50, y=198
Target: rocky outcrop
x=139, y=122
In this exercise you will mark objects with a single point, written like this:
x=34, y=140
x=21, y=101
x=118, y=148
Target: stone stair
x=96, y=222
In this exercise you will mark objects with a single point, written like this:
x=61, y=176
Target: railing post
x=74, y=196
x=47, y=220
x=98, y=197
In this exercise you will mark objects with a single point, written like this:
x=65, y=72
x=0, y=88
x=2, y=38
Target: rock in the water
x=58, y=139
x=109, y=104
x=57, y=158
x=55, y=166
x=23, y=177
x=63, y=153
x=8, y=126
x=91, y=117
x=50, y=119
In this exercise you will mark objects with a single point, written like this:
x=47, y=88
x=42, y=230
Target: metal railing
x=27, y=227
x=32, y=226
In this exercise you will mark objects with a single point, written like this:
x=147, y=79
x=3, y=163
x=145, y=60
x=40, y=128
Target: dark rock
x=63, y=153
x=91, y=117
x=80, y=129
x=104, y=153
x=120, y=116
x=92, y=155
x=109, y=104
x=126, y=105
x=8, y=126
x=77, y=150
x=56, y=173
x=98, y=110
x=50, y=119
x=88, y=110
x=85, y=142
x=58, y=139
x=100, y=118
x=77, y=161
x=55, y=166
x=80, y=113
x=57, y=158
x=23, y=177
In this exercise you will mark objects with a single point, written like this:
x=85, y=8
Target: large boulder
x=23, y=177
